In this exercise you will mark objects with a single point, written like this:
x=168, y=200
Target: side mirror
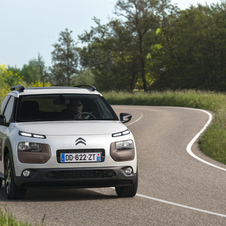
x=125, y=117
x=2, y=119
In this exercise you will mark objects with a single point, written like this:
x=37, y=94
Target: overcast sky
x=29, y=27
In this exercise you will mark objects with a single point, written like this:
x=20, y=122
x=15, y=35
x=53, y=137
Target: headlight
x=124, y=145
x=122, y=150
x=29, y=146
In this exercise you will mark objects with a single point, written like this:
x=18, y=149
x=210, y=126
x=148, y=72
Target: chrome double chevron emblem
x=80, y=141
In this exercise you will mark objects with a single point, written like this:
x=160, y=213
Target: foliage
x=150, y=45
x=8, y=79
x=139, y=19
x=7, y=219
x=213, y=143
x=119, y=53
x=156, y=46
x=65, y=59
x=104, y=56
x=30, y=73
x=39, y=84
x=193, y=49
x=15, y=70
x=85, y=77
x=186, y=98
x=34, y=71
x=40, y=68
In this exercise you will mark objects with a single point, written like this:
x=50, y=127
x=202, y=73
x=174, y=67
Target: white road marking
x=197, y=136
x=188, y=148
x=179, y=205
x=136, y=120
x=194, y=156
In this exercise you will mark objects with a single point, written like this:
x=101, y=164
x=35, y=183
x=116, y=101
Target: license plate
x=80, y=157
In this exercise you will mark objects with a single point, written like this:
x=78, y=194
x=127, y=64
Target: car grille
x=80, y=174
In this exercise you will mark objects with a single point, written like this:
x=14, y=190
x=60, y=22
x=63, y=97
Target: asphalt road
x=174, y=187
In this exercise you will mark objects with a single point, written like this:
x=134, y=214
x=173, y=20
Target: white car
x=64, y=137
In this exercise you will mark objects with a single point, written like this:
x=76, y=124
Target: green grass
x=213, y=142
x=7, y=219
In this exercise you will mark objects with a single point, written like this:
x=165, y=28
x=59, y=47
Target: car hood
x=72, y=128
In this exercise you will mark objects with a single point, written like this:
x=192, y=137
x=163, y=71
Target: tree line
x=149, y=45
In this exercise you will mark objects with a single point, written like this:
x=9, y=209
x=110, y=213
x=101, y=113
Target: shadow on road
x=63, y=194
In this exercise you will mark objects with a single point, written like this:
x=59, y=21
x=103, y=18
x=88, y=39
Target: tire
x=12, y=192
x=127, y=191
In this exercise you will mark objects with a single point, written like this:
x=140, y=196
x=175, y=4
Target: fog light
x=128, y=171
x=26, y=173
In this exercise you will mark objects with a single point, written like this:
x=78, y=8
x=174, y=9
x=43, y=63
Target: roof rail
x=92, y=88
x=20, y=88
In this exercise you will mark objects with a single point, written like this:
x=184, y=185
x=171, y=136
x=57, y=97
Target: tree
x=65, y=59
x=8, y=79
x=110, y=56
x=39, y=65
x=122, y=51
x=122, y=46
x=85, y=77
x=193, y=49
x=14, y=69
x=140, y=18
x=30, y=73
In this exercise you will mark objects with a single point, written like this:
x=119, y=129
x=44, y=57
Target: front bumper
x=76, y=178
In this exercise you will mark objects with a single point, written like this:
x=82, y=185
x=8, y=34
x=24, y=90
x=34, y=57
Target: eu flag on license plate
x=62, y=157
x=98, y=157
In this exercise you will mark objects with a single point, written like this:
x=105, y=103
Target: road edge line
x=189, y=146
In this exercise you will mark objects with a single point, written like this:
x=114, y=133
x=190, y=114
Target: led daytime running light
x=25, y=134
x=123, y=133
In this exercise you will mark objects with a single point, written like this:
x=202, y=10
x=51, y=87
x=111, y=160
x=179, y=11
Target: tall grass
x=187, y=98
x=213, y=142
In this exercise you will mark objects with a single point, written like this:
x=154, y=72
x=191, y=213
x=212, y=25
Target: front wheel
x=12, y=191
x=127, y=191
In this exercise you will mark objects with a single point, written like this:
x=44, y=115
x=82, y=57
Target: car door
x=4, y=129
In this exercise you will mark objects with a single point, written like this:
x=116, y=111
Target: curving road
x=174, y=187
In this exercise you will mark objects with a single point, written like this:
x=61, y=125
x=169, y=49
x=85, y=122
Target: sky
x=31, y=27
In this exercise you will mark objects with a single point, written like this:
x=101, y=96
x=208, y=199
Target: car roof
x=80, y=89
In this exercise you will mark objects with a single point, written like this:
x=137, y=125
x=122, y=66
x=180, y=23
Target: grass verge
x=7, y=219
x=213, y=142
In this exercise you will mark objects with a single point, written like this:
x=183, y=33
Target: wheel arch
x=8, y=150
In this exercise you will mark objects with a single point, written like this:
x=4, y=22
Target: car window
x=58, y=107
x=5, y=101
x=9, y=109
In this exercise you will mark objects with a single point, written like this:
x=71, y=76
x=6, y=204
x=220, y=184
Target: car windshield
x=58, y=107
